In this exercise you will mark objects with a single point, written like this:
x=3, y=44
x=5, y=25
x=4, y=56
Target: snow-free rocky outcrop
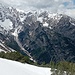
x=43, y=36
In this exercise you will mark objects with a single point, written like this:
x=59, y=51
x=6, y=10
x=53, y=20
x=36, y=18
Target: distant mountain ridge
x=42, y=36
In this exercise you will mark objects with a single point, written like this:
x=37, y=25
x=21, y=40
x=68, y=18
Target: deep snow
x=9, y=67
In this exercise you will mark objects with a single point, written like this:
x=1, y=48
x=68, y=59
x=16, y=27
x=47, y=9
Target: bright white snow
x=45, y=24
x=55, y=16
x=20, y=10
x=22, y=19
x=7, y=24
x=8, y=67
x=17, y=31
x=51, y=15
x=40, y=19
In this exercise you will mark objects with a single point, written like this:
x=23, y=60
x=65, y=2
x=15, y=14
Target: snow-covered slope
x=8, y=67
x=7, y=24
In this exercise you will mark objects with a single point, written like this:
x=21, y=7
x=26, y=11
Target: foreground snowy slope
x=8, y=67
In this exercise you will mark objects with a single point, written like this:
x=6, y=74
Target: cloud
x=34, y=3
x=70, y=12
x=60, y=6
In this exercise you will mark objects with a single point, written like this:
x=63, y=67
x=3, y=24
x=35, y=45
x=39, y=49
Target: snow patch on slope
x=1, y=50
x=5, y=48
x=51, y=15
x=55, y=16
x=7, y=24
x=8, y=67
x=17, y=31
x=23, y=18
x=45, y=24
x=20, y=10
x=73, y=23
x=40, y=19
x=2, y=45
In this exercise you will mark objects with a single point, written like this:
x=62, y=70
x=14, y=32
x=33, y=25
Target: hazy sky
x=60, y=6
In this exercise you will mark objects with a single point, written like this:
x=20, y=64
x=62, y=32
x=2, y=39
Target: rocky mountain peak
x=43, y=36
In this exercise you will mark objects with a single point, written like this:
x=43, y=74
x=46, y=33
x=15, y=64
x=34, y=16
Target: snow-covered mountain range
x=40, y=35
x=14, y=17
x=12, y=20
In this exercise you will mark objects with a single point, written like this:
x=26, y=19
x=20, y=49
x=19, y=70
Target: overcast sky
x=60, y=6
